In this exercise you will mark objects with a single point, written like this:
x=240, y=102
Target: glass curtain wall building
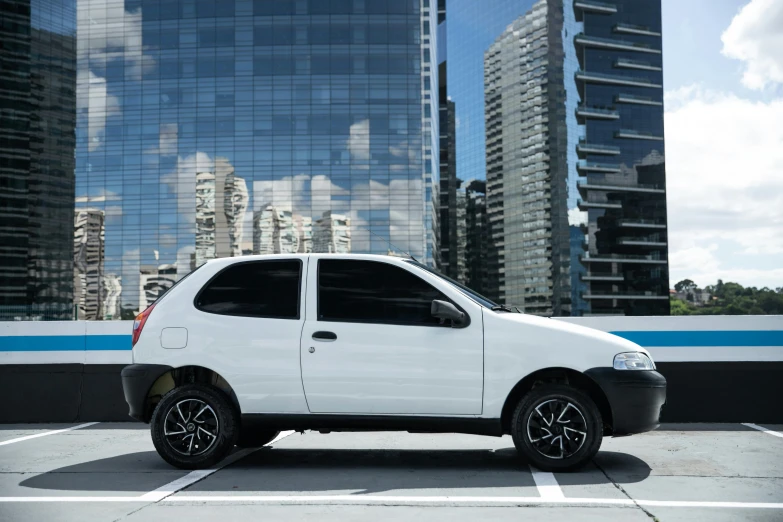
x=209, y=129
x=622, y=176
x=571, y=147
x=37, y=121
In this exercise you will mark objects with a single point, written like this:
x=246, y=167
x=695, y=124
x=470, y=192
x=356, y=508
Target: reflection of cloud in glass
x=358, y=143
x=99, y=106
x=124, y=44
x=101, y=195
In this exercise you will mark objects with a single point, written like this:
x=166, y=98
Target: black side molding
x=340, y=422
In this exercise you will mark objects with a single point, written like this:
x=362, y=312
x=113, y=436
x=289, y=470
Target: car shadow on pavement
x=347, y=470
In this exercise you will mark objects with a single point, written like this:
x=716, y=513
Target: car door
x=247, y=327
x=370, y=345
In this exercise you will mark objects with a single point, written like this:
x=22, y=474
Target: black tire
x=579, y=415
x=253, y=438
x=205, y=451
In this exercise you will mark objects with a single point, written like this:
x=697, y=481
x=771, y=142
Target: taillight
x=138, y=324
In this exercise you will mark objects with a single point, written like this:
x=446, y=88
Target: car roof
x=224, y=261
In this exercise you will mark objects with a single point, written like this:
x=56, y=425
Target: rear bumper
x=137, y=379
x=636, y=398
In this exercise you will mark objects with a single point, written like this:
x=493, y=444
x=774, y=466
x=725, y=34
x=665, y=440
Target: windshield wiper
x=502, y=308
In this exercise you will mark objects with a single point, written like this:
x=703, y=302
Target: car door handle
x=325, y=336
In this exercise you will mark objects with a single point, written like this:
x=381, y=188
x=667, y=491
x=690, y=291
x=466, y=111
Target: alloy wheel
x=556, y=428
x=191, y=427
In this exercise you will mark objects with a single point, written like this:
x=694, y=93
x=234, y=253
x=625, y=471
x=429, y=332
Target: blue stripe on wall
x=108, y=342
x=60, y=343
x=64, y=343
x=705, y=338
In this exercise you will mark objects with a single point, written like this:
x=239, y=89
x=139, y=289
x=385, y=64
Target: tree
x=686, y=285
x=679, y=307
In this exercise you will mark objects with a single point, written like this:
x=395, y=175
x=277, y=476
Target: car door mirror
x=446, y=310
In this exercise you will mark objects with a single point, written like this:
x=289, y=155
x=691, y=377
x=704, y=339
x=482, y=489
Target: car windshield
x=480, y=299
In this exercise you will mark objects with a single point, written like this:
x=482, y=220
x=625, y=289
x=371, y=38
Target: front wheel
x=194, y=426
x=557, y=427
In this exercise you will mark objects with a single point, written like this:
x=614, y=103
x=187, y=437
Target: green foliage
x=679, y=307
x=730, y=299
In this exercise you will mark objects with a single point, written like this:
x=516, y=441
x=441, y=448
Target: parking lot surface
x=110, y=471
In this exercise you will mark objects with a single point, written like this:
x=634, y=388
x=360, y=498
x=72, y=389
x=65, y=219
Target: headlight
x=633, y=361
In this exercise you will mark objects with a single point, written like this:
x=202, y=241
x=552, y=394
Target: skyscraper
x=622, y=175
x=525, y=122
x=572, y=134
x=317, y=107
x=37, y=121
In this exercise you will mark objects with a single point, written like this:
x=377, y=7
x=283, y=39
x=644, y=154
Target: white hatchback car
x=243, y=348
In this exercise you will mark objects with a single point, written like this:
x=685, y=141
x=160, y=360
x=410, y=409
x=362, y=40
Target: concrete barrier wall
x=719, y=368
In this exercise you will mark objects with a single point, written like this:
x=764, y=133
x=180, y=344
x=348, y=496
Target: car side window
x=269, y=289
x=374, y=292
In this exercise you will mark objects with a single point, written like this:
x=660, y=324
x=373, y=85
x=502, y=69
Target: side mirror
x=446, y=310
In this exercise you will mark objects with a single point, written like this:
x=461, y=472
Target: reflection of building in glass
x=88, y=264
x=573, y=122
x=280, y=231
x=37, y=121
x=235, y=200
x=112, y=289
x=314, y=106
x=332, y=234
x=520, y=132
x=476, y=236
x=221, y=203
x=206, y=247
x=154, y=281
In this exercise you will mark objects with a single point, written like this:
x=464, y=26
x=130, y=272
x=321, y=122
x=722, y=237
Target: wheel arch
x=190, y=374
x=557, y=375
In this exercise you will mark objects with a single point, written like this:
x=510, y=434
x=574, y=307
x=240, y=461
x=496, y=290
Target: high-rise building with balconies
x=621, y=169
x=573, y=151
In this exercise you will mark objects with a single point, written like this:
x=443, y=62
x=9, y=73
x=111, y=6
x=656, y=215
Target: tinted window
x=372, y=292
x=254, y=289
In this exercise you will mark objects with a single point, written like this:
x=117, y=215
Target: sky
x=723, y=84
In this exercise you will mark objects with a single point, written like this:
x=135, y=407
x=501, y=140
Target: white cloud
x=100, y=107
x=123, y=39
x=101, y=196
x=358, y=142
x=755, y=36
x=183, y=180
x=725, y=189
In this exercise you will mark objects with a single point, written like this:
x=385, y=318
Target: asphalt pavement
x=111, y=472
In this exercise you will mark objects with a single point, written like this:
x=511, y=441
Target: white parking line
x=45, y=433
x=388, y=500
x=762, y=428
x=547, y=485
x=515, y=501
x=194, y=476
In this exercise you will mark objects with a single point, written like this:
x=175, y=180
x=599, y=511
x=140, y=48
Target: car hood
x=564, y=333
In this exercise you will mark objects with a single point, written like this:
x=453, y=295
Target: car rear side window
x=373, y=292
x=267, y=289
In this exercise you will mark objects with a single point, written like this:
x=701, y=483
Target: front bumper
x=635, y=396
x=137, y=379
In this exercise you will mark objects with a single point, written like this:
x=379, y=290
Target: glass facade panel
x=37, y=121
x=210, y=129
x=567, y=131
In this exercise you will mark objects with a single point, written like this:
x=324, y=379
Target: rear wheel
x=557, y=427
x=194, y=426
